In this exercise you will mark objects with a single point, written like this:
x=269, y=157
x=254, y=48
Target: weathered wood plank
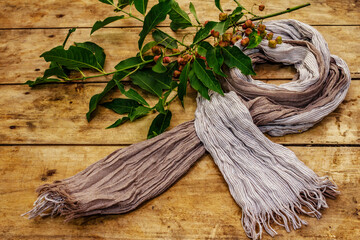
x=71, y=13
x=21, y=49
x=55, y=114
x=198, y=206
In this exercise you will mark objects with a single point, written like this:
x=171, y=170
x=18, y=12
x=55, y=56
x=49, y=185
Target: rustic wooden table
x=44, y=134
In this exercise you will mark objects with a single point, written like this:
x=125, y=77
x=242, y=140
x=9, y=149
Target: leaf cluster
x=199, y=63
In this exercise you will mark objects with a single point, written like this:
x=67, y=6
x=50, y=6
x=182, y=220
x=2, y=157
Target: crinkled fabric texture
x=267, y=180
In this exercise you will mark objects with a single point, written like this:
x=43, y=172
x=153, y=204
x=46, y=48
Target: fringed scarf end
x=53, y=200
x=309, y=202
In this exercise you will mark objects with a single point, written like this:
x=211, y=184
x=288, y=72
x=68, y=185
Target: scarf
x=267, y=180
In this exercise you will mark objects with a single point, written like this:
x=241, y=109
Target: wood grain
x=198, y=206
x=44, y=135
x=21, y=49
x=72, y=13
x=55, y=114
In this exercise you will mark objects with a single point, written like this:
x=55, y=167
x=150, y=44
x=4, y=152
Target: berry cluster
x=230, y=38
x=273, y=42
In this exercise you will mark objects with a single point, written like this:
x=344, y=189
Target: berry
x=166, y=60
x=206, y=22
x=272, y=43
x=223, y=16
x=224, y=43
x=186, y=58
x=261, y=27
x=227, y=37
x=215, y=33
x=181, y=67
x=175, y=50
x=244, y=26
x=203, y=58
x=181, y=61
x=269, y=36
x=248, y=23
x=261, y=7
x=156, y=50
x=248, y=31
x=245, y=42
x=263, y=34
x=156, y=58
x=235, y=39
x=176, y=73
x=278, y=40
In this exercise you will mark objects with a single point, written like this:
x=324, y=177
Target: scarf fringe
x=53, y=201
x=308, y=202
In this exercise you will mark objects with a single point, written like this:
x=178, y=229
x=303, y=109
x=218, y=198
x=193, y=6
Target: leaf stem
x=276, y=14
x=267, y=16
x=109, y=73
x=172, y=99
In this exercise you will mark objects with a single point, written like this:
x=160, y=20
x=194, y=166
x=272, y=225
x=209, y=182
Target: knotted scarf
x=267, y=180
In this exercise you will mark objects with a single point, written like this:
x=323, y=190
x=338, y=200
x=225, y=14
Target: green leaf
x=148, y=46
x=179, y=17
x=119, y=122
x=217, y=4
x=183, y=82
x=198, y=86
x=215, y=60
x=121, y=105
x=164, y=40
x=54, y=71
x=152, y=82
x=99, y=24
x=131, y=63
x=206, y=76
x=41, y=80
x=156, y=15
x=74, y=57
x=204, y=32
x=193, y=12
x=221, y=27
x=94, y=101
x=159, y=67
x=236, y=17
x=160, y=123
x=96, y=49
x=171, y=67
x=160, y=106
x=234, y=57
x=131, y=93
x=138, y=112
x=255, y=40
x=141, y=6
x=236, y=14
x=203, y=47
x=123, y=3
x=110, y=2
x=71, y=30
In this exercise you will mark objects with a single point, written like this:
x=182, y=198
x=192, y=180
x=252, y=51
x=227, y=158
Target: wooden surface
x=44, y=134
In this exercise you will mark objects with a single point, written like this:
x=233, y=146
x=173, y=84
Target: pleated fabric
x=267, y=180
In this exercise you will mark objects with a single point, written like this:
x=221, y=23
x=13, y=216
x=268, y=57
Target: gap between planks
x=126, y=145
x=128, y=81
x=160, y=26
